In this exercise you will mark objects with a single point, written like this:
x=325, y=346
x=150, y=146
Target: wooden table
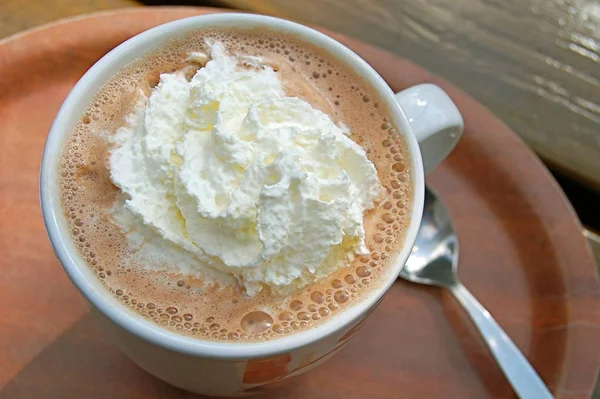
x=536, y=64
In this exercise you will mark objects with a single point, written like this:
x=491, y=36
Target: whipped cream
x=226, y=178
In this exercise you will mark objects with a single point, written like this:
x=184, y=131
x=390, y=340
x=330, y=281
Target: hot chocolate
x=237, y=185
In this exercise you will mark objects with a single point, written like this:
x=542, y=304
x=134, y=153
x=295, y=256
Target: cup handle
x=434, y=119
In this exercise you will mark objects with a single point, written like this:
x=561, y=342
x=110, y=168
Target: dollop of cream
x=226, y=178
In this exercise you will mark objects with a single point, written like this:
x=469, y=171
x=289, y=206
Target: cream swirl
x=226, y=176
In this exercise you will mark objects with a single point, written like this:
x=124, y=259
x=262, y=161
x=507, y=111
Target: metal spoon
x=434, y=261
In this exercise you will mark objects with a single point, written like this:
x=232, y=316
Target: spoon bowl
x=434, y=257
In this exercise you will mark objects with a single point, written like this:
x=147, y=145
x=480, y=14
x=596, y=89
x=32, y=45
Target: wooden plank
x=18, y=15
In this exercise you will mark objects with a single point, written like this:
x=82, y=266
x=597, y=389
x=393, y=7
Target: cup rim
x=93, y=290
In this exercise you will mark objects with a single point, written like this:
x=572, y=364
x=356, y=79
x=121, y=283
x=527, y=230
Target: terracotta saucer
x=522, y=255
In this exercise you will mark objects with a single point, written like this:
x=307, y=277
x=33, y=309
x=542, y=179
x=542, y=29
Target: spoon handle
x=523, y=378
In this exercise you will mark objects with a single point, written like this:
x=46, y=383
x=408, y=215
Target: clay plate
x=522, y=255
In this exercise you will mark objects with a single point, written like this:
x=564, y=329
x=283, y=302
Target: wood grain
x=523, y=256
x=535, y=63
x=18, y=15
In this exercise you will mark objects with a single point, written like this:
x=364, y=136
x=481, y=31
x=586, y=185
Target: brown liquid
x=186, y=304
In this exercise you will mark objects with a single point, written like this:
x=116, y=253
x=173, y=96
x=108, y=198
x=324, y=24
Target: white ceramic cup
x=425, y=116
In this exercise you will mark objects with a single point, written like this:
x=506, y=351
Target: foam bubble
x=303, y=316
x=317, y=297
x=296, y=305
x=323, y=311
x=286, y=316
x=341, y=296
x=363, y=271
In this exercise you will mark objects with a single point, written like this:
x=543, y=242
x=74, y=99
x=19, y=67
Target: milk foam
x=179, y=297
